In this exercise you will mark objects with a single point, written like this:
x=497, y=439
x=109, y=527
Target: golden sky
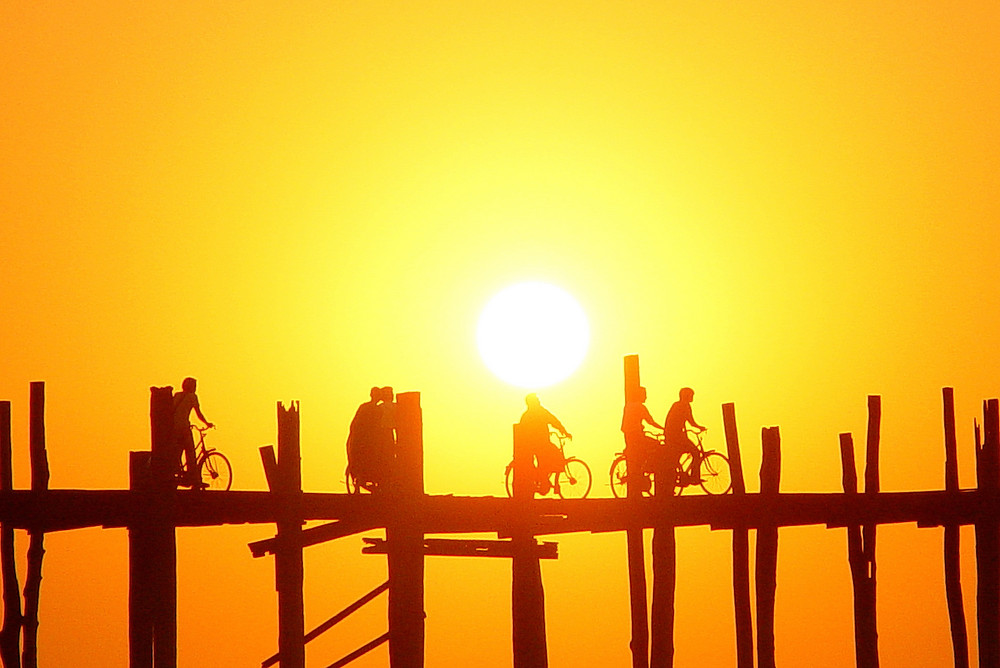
x=782, y=205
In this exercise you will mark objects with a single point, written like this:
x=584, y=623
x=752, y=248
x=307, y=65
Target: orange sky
x=784, y=206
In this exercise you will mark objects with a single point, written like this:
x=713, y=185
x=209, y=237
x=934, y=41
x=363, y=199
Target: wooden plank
x=952, y=541
x=741, y=547
x=288, y=567
x=988, y=541
x=36, y=538
x=460, y=547
x=10, y=632
x=767, y=549
x=661, y=618
x=361, y=651
x=405, y=560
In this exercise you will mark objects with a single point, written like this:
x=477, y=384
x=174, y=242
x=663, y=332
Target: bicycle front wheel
x=619, y=477
x=216, y=473
x=574, y=481
x=716, y=476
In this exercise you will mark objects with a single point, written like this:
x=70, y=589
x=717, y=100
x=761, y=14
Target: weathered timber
x=661, y=618
x=462, y=547
x=530, y=648
x=333, y=621
x=767, y=548
x=36, y=539
x=988, y=540
x=361, y=651
x=10, y=632
x=405, y=538
x=65, y=509
x=288, y=569
x=952, y=540
x=635, y=547
x=863, y=602
x=741, y=547
x=870, y=530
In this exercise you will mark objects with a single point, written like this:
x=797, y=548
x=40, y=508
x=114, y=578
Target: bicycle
x=712, y=469
x=620, y=478
x=573, y=481
x=214, y=470
x=707, y=468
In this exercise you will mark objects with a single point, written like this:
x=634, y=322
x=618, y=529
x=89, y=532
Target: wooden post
x=952, y=540
x=10, y=632
x=36, y=538
x=767, y=548
x=527, y=594
x=664, y=584
x=153, y=543
x=988, y=540
x=868, y=532
x=741, y=548
x=288, y=570
x=864, y=613
x=140, y=595
x=405, y=538
x=635, y=546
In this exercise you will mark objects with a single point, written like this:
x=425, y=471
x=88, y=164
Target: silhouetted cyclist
x=675, y=437
x=184, y=402
x=639, y=448
x=535, y=424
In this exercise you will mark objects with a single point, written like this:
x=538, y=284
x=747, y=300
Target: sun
x=532, y=334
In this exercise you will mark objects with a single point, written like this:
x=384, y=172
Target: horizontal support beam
x=457, y=547
x=56, y=510
x=313, y=536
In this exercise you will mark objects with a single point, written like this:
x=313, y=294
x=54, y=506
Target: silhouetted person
x=362, y=440
x=640, y=449
x=675, y=437
x=184, y=402
x=535, y=424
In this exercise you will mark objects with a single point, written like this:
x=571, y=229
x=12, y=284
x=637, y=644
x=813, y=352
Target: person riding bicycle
x=184, y=402
x=535, y=424
x=675, y=436
x=639, y=447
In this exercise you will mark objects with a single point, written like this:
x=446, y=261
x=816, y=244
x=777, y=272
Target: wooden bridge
x=152, y=508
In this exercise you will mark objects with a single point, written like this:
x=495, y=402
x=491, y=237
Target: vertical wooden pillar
x=988, y=540
x=36, y=539
x=635, y=546
x=405, y=538
x=527, y=594
x=767, y=548
x=865, y=649
x=741, y=548
x=140, y=595
x=10, y=632
x=288, y=569
x=153, y=544
x=661, y=654
x=952, y=540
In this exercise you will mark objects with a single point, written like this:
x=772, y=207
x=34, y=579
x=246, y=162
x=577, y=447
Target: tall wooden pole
x=741, y=548
x=36, y=538
x=527, y=594
x=288, y=568
x=865, y=652
x=767, y=549
x=952, y=540
x=988, y=540
x=405, y=538
x=10, y=632
x=153, y=543
x=635, y=545
x=661, y=635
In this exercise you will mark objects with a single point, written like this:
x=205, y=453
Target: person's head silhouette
x=687, y=394
x=189, y=385
x=532, y=401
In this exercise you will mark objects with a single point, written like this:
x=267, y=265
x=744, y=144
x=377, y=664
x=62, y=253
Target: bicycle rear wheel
x=574, y=481
x=216, y=473
x=716, y=476
x=508, y=480
x=619, y=477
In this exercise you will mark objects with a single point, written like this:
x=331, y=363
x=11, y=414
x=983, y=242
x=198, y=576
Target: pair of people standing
x=371, y=442
x=645, y=449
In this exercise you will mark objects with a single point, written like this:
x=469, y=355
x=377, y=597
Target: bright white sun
x=532, y=335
